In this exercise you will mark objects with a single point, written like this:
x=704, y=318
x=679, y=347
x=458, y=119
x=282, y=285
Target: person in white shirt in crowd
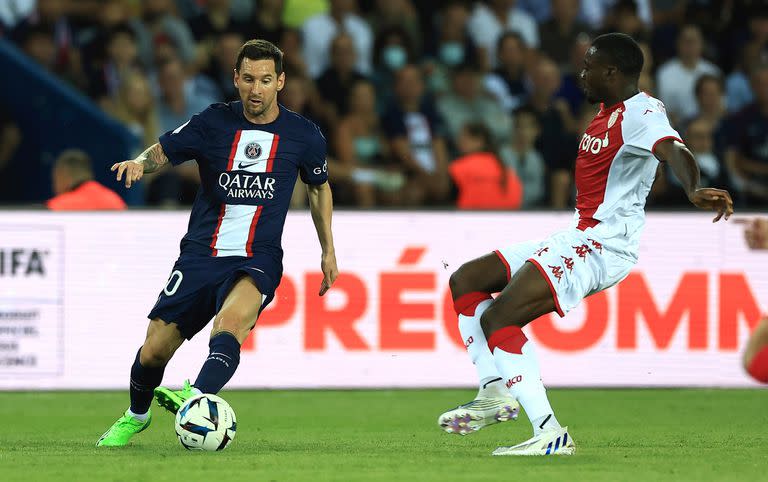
x=507, y=83
x=676, y=78
x=320, y=30
x=489, y=21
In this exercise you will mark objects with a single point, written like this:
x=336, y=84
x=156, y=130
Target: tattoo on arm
x=153, y=158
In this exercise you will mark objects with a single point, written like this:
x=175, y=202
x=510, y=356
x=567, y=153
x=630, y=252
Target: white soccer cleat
x=479, y=413
x=550, y=442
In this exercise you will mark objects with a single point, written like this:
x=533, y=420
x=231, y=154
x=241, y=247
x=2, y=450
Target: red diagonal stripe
x=412, y=255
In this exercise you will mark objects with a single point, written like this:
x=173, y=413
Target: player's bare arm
x=148, y=161
x=321, y=207
x=683, y=164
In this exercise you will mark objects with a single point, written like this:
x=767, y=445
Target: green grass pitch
x=621, y=435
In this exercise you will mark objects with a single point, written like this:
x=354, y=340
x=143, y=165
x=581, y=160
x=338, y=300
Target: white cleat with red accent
x=550, y=442
x=479, y=413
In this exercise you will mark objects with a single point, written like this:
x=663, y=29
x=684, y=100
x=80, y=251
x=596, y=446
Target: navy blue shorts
x=199, y=284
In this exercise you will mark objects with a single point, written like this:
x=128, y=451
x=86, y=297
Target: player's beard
x=257, y=111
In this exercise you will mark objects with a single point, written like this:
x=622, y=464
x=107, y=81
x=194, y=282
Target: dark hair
x=526, y=110
x=75, y=160
x=510, y=34
x=707, y=78
x=383, y=37
x=121, y=29
x=481, y=131
x=260, y=50
x=621, y=50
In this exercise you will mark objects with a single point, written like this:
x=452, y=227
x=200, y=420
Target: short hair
x=707, y=78
x=621, y=50
x=75, y=161
x=260, y=50
x=510, y=34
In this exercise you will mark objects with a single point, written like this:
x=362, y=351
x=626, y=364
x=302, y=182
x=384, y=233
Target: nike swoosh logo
x=240, y=165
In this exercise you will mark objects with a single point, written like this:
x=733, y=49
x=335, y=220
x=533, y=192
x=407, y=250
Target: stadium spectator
x=560, y=32
x=180, y=96
x=215, y=19
x=646, y=82
x=598, y=13
x=467, y=101
x=521, y=156
x=402, y=13
x=134, y=106
x=738, y=91
x=51, y=15
x=318, y=33
x=482, y=179
x=334, y=84
x=74, y=187
x=93, y=38
x=710, y=101
x=291, y=44
x=220, y=70
x=750, y=143
x=363, y=153
x=676, y=78
x=624, y=16
x=121, y=59
x=570, y=86
x=13, y=12
x=415, y=135
x=507, y=83
x=489, y=21
x=158, y=26
x=392, y=51
x=450, y=46
x=558, y=141
x=267, y=21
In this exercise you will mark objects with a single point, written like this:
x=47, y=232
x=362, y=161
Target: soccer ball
x=205, y=422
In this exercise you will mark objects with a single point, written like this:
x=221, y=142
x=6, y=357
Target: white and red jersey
x=615, y=169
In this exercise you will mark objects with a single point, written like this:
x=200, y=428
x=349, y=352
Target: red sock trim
x=758, y=367
x=510, y=339
x=466, y=304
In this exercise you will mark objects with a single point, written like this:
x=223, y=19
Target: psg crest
x=252, y=150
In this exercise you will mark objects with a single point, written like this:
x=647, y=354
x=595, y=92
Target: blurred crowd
x=474, y=104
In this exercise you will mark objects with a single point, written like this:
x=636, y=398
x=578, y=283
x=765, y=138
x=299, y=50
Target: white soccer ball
x=206, y=422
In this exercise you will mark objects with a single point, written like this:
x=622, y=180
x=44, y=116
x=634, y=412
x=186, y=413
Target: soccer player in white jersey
x=615, y=168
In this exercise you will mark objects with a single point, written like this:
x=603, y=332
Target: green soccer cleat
x=120, y=433
x=172, y=400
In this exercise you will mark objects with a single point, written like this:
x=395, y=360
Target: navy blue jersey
x=247, y=174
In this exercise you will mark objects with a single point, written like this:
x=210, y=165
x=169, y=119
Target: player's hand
x=330, y=271
x=756, y=232
x=715, y=200
x=133, y=171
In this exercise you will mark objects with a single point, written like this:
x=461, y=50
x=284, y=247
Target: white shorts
x=574, y=264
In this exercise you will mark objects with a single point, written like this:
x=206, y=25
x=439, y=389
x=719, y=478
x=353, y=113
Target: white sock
x=141, y=417
x=477, y=348
x=521, y=375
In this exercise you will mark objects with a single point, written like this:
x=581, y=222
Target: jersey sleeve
x=314, y=166
x=186, y=142
x=648, y=126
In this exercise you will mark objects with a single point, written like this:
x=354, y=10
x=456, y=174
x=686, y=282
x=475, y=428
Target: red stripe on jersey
x=252, y=230
x=233, y=151
x=593, y=163
x=653, y=149
x=272, y=153
x=218, y=226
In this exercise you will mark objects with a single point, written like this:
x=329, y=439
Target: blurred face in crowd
x=689, y=44
x=42, y=49
x=526, y=129
x=760, y=86
x=362, y=98
x=466, y=84
x=512, y=53
x=343, y=6
x=170, y=79
x=627, y=19
x=453, y=23
x=227, y=46
x=136, y=95
x=469, y=143
x=122, y=49
x=258, y=85
x=699, y=136
x=294, y=94
x=546, y=78
x=113, y=12
x=409, y=85
x=153, y=9
x=710, y=96
x=50, y=10
x=565, y=11
x=343, y=54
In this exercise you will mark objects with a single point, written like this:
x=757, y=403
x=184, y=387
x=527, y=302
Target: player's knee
x=232, y=321
x=154, y=354
x=458, y=282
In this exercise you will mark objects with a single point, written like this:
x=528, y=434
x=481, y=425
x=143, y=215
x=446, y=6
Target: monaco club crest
x=252, y=150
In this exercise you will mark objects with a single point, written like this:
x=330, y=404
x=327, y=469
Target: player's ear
x=280, y=81
x=235, y=75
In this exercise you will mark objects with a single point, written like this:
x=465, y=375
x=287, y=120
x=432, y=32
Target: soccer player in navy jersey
x=249, y=154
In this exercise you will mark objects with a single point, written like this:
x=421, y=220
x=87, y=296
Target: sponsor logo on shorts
x=557, y=272
x=582, y=251
x=568, y=263
x=514, y=380
x=596, y=245
x=468, y=342
x=541, y=251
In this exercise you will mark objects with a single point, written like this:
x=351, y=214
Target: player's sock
x=515, y=359
x=141, y=417
x=221, y=364
x=758, y=367
x=469, y=308
x=144, y=380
